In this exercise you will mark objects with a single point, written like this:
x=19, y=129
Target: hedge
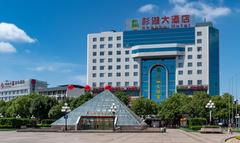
x=16, y=123
x=197, y=121
x=195, y=128
x=210, y=126
x=47, y=121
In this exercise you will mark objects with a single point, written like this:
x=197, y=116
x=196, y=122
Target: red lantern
x=87, y=88
x=70, y=87
x=108, y=87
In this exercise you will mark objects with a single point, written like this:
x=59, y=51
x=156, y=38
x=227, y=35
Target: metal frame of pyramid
x=100, y=105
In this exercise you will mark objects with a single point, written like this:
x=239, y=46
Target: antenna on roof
x=204, y=19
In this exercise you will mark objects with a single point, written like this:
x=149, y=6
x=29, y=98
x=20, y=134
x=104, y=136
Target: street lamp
x=18, y=116
x=65, y=109
x=113, y=111
x=210, y=105
x=32, y=117
x=1, y=115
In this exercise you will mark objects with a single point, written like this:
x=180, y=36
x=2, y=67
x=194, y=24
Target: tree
x=144, y=107
x=55, y=111
x=76, y=102
x=122, y=97
x=173, y=108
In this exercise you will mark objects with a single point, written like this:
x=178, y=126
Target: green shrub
x=210, y=126
x=197, y=121
x=195, y=128
x=43, y=125
x=16, y=123
x=237, y=137
x=47, y=121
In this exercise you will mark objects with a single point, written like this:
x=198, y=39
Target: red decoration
x=108, y=87
x=87, y=88
x=70, y=87
x=33, y=81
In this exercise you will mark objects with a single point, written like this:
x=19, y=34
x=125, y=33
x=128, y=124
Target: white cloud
x=148, y=8
x=177, y=1
x=11, y=33
x=80, y=79
x=6, y=47
x=199, y=9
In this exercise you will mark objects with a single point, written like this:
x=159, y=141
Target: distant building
x=12, y=89
x=63, y=91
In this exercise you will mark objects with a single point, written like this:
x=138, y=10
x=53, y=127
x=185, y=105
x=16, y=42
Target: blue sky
x=46, y=39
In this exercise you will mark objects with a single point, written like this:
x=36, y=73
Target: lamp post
x=1, y=115
x=113, y=110
x=32, y=117
x=210, y=105
x=18, y=116
x=65, y=109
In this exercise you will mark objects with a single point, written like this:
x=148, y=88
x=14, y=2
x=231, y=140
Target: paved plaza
x=172, y=136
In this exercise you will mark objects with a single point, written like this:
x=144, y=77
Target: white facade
x=112, y=64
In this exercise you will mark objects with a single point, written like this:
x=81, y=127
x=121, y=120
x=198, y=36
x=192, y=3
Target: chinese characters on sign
x=158, y=83
x=9, y=84
x=156, y=22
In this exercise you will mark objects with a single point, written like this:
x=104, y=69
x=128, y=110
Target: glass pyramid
x=100, y=105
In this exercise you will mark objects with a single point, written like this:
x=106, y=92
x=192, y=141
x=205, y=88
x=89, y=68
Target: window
x=126, y=73
x=101, y=67
x=110, y=60
x=180, y=82
x=199, y=64
x=94, y=84
x=135, y=83
x=126, y=59
x=101, y=38
x=101, y=84
x=118, y=74
x=199, y=41
x=101, y=60
x=109, y=67
x=127, y=52
x=110, y=83
x=118, y=45
x=199, y=71
x=135, y=66
x=109, y=74
x=109, y=52
x=180, y=57
x=101, y=74
x=94, y=75
x=118, y=37
x=94, y=53
x=118, y=59
x=189, y=64
x=126, y=66
x=94, y=39
x=199, y=82
x=180, y=65
x=199, y=33
x=110, y=38
x=135, y=74
x=135, y=59
x=94, y=60
x=189, y=56
x=189, y=71
x=94, y=46
x=101, y=53
x=118, y=84
x=199, y=49
x=101, y=46
x=118, y=67
x=118, y=52
x=110, y=45
x=189, y=49
x=94, y=67
x=126, y=83
x=180, y=72
x=189, y=82
x=199, y=56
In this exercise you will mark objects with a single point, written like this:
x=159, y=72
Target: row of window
x=101, y=84
x=118, y=67
x=190, y=64
x=110, y=60
x=118, y=74
x=22, y=91
x=190, y=49
x=104, y=38
x=189, y=72
x=190, y=82
x=101, y=46
x=102, y=53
